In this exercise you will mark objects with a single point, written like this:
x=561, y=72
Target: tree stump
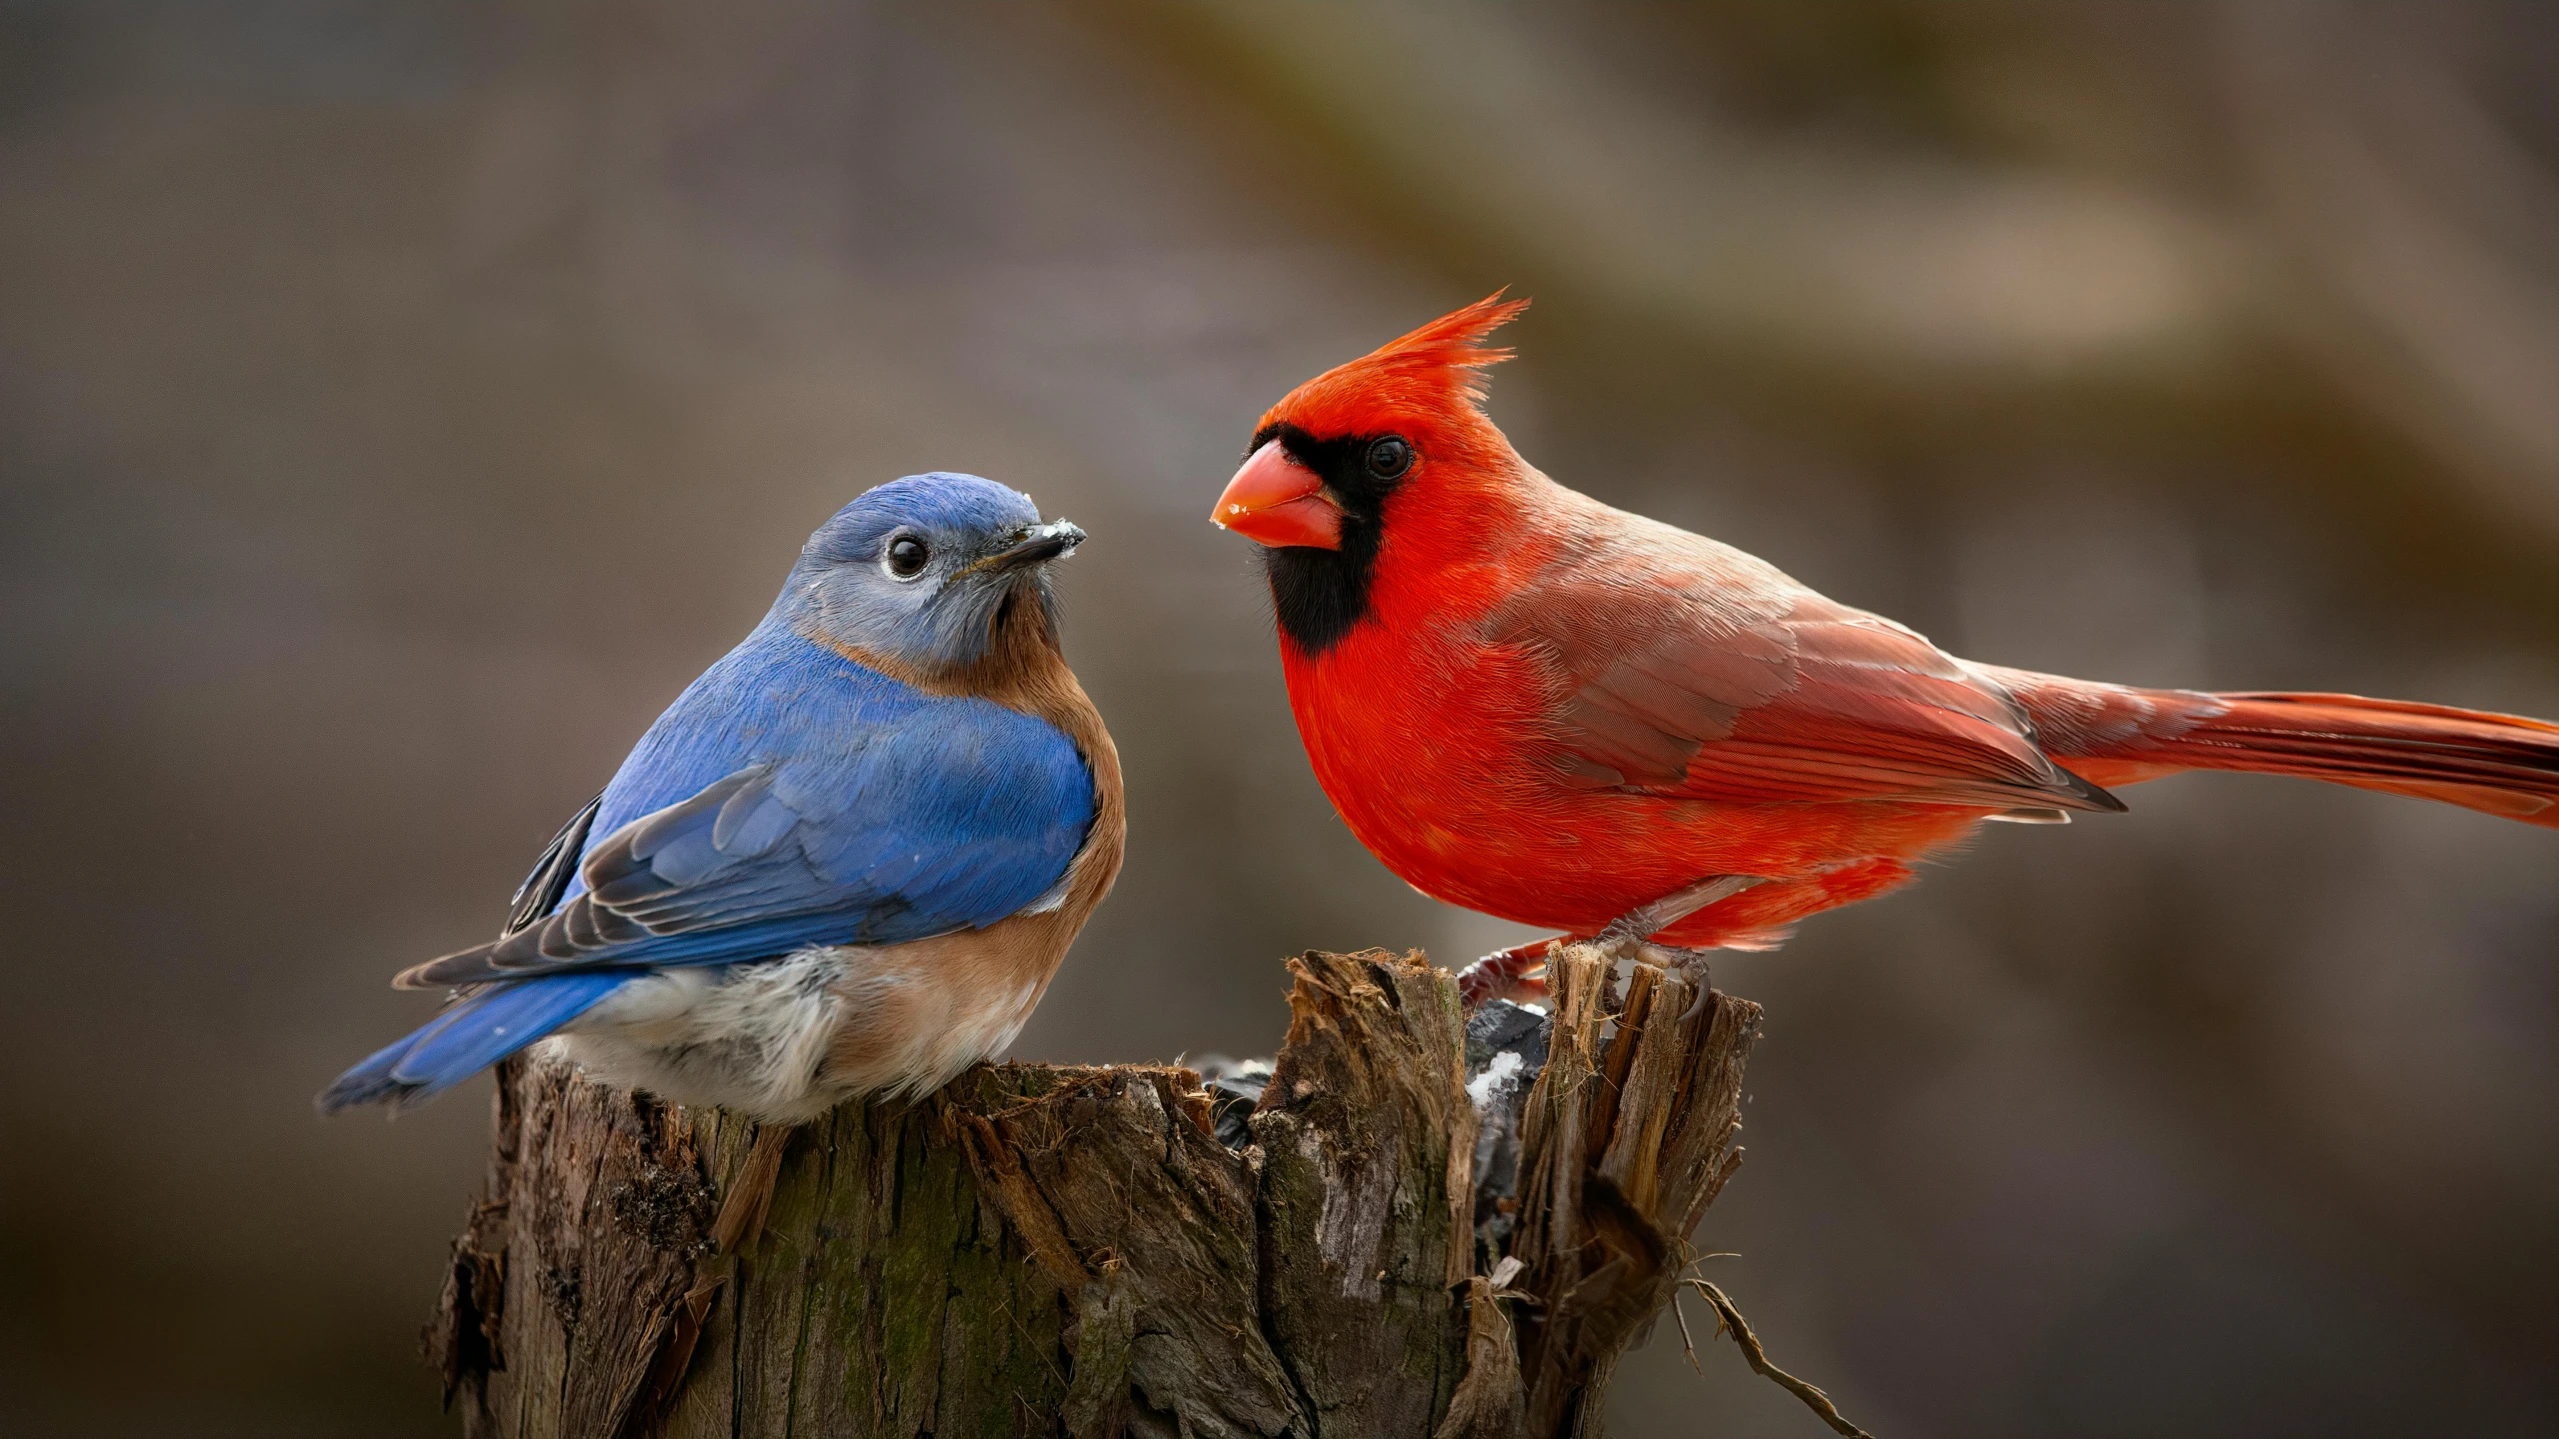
x=1075, y=1252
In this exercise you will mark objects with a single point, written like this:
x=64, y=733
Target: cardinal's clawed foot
x=1515, y=974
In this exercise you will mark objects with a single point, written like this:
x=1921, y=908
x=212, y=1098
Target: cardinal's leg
x=1646, y=920
x=1514, y=973
x=1628, y=935
x=1511, y=974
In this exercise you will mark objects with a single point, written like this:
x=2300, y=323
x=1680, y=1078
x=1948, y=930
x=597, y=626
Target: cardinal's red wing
x=1704, y=688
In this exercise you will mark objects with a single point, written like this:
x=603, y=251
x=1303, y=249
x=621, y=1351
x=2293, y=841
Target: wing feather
x=552, y=871
x=1700, y=673
x=953, y=819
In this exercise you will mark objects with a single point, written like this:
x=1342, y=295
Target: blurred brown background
x=400, y=401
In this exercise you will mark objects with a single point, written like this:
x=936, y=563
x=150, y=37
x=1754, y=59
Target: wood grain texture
x=1043, y=1250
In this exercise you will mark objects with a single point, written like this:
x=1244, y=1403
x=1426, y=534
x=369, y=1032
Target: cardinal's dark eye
x=1389, y=457
x=907, y=555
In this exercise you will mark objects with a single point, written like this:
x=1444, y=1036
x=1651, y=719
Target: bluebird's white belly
x=788, y=1039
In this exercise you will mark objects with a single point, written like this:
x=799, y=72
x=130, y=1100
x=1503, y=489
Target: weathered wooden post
x=1064, y=1251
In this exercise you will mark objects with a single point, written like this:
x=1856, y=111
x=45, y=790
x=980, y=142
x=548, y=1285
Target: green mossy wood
x=1066, y=1251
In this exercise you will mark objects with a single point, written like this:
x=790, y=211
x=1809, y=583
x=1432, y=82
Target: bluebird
x=846, y=861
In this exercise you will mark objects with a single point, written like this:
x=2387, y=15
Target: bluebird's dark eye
x=907, y=555
x=1389, y=457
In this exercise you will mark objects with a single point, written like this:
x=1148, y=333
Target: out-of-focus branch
x=1796, y=250
x=1888, y=285
x=2424, y=239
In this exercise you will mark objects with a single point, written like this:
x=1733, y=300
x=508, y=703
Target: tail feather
x=2499, y=764
x=476, y=1032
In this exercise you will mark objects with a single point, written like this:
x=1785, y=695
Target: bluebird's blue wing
x=947, y=815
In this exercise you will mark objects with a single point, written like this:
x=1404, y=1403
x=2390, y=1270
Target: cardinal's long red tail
x=2499, y=764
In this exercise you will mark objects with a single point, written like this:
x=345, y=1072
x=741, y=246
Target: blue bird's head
x=919, y=571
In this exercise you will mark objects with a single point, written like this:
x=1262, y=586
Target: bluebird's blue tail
x=475, y=1033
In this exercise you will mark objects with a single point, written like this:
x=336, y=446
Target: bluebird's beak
x=1276, y=501
x=1034, y=545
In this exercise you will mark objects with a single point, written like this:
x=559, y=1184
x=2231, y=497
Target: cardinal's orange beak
x=1276, y=501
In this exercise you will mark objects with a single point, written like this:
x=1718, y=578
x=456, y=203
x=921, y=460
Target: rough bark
x=1065, y=1251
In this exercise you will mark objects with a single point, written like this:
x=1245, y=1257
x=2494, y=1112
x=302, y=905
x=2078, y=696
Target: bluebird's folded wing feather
x=553, y=872
x=916, y=816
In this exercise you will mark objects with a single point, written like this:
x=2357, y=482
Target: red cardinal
x=1530, y=704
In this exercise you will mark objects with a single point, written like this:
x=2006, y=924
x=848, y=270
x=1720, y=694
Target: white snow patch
x=1499, y=1074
